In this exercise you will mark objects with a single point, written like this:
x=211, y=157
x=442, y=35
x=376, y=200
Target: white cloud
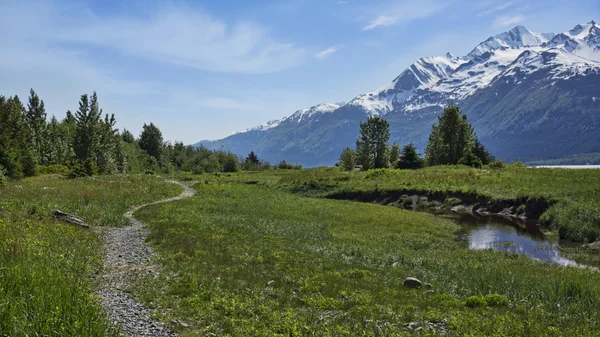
x=327, y=52
x=400, y=12
x=173, y=34
x=381, y=20
x=507, y=20
x=496, y=9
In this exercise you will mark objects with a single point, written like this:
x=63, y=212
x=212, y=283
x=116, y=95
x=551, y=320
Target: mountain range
x=529, y=96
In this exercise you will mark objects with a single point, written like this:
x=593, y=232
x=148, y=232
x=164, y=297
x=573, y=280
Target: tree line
x=87, y=142
x=452, y=141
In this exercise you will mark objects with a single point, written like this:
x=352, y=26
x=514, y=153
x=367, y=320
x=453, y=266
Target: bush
x=231, y=164
x=2, y=176
x=86, y=168
x=475, y=302
x=518, y=164
x=496, y=164
x=496, y=300
x=283, y=165
x=52, y=169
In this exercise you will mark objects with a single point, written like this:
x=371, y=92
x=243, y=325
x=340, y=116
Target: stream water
x=485, y=233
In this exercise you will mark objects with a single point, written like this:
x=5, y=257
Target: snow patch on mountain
x=263, y=127
x=310, y=113
x=436, y=81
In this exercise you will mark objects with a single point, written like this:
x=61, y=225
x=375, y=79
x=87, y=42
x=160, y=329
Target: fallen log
x=69, y=218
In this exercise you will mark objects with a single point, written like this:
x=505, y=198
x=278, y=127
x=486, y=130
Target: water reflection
x=485, y=233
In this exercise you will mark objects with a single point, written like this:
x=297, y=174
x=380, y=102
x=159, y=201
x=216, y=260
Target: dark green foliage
x=35, y=117
x=87, y=119
x=348, y=159
x=2, y=176
x=496, y=164
x=410, y=159
x=128, y=136
x=283, y=165
x=470, y=159
x=450, y=139
x=372, y=143
x=252, y=163
x=151, y=141
x=481, y=152
x=231, y=163
x=15, y=151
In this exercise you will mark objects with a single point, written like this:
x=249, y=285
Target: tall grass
x=253, y=259
x=46, y=267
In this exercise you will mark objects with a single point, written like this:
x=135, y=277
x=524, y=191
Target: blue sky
x=204, y=69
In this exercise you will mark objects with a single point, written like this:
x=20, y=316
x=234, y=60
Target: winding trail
x=126, y=254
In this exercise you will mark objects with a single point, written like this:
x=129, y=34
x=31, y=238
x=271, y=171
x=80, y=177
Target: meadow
x=47, y=267
x=267, y=254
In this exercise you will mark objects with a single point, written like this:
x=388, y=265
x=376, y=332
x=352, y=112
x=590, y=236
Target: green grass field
x=253, y=255
x=46, y=267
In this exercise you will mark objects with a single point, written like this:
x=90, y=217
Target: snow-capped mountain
x=529, y=95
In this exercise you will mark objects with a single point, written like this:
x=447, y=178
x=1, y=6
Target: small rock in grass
x=412, y=283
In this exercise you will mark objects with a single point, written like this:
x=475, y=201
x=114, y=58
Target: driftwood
x=70, y=218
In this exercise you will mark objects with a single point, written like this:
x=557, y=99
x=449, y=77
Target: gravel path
x=128, y=253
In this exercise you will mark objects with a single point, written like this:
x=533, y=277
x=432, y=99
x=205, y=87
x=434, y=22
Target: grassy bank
x=573, y=196
x=245, y=257
x=46, y=266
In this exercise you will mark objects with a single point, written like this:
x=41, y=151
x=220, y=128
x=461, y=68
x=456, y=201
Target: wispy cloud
x=380, y=21
x=328, y=52
x=191, y=38
x=342, y=2
x=507, y=20
x=404, y=12
x=496, y=9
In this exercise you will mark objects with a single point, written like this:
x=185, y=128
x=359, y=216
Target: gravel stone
x=127, y=253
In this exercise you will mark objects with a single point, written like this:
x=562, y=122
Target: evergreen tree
x=348, y=159
x=410, y=159
x=106, y=146
x=151, y=141
x=481, y=152
x=128, y=136
x=59, y=142
x=15, y=153
x=252, y=162
x=451, y=139
x=470, y=159
x=87, y=120
x=372, y=143
x=35, y=117
x=394, y=155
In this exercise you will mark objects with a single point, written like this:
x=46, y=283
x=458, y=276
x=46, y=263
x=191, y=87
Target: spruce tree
x=151, y=141
x=481, y=152
x=394, y=155
x=372, y=143
x=410, y=159
x=87, y=119
x=35, y=117
x=451, y=139
x=348, y=159
x=15, y=153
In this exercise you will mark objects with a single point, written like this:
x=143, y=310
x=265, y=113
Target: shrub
x=475, y=302
x=517, y=164
x=52, y=169
x=496, y=300
x=496, y=164
x=231, y=164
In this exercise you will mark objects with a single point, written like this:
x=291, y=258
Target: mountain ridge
x=532, y=62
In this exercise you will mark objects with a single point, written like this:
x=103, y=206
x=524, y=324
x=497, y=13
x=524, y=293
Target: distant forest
x=576, y=159
x=87, y=142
